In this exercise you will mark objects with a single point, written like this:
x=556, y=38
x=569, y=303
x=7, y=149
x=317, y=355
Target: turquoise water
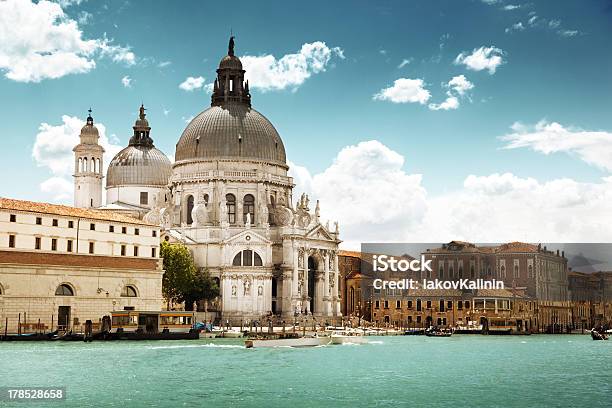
x=461, y=371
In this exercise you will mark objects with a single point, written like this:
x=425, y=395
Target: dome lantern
x=229, y=86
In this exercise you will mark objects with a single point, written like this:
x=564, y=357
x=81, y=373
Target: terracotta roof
x=64, y=210
x=517, y=247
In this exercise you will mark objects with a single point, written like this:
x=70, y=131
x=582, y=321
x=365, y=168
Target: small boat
x=436, y=332
x=348, y=337
x=227, y=334
x=595, y=335
x=414, y=332
x=303, y=341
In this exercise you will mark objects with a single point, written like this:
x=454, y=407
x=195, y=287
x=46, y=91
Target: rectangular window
x=459, y=305
x=154, y=233
x=153, y=252
x=136, y=231
x=54, y=244
x=54, y=222
x=429, y=304
x=386, y=304
x=13, y=218
x=144, y=198
x=91, y=247
x=410, y=304
x=37, y=243
x=418, y=319
x=377, y=304
x=124, y=230
x=111, y=228
x=398, y=304
x=11, y=241
x=449, y=305
x=69, y=245
x=70, y=224
x=122, y=250
x=92, y=226
x=38, y=221
x=135, y=251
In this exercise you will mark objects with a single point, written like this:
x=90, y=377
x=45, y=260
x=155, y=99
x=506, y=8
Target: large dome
x=233, y=130
x=139, y=165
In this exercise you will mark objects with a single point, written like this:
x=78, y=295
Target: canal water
x=460, y=371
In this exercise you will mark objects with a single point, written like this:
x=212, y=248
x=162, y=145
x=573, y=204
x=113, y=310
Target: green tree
x=182, y=282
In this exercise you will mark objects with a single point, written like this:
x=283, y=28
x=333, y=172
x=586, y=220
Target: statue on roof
x=230, y=48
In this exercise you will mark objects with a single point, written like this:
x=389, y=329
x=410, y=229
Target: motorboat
x=437, y=332
x=348, y=337
x=287, y=341
x=227, y=334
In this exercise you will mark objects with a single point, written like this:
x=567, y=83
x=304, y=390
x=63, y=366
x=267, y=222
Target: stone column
x=336, y=305
x=295, y=278
x=306, y=306
x=325, y=297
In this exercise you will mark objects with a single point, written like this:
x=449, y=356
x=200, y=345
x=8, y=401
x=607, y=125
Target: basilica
x=228, y=198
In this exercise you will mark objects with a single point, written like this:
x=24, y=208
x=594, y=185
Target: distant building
x=591, y=296
x=64, y=265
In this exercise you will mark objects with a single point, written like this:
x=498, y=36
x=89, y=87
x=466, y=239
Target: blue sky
x=555, y=67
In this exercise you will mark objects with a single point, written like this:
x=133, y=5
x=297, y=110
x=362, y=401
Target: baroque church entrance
x=312, y=267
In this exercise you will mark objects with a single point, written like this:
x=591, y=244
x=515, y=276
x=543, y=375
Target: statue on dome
x=230, y=48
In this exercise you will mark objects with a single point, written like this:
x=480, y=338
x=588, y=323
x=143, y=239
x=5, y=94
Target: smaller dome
x=141, y=123
x=230, y=62
x=139, y=166
x=89, y=132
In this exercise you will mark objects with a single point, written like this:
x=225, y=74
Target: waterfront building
x=62, y=265
x=591, y=299
x=356, y=285
x=228, y=197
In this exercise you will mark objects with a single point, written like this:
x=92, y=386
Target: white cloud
x=209, y=88
x=482, y=58
x=457, y=87
x=404, y=62
x=510, y=7
x=460, y=84
x=126, y=81
x=593, y=147
x=376, y=200
x=53, y=148
x=39, y=41
x=404, y=90
x=366, y=190
x=164, y=64
x=568, y=33
x=60, y=189
x=192, y=83
x=516, y=27
x=267, y=73
x=450, y=103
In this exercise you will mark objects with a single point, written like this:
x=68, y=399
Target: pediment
x=247, y=237
x=319, y=232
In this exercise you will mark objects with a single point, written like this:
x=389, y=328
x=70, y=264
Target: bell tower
x=88, y=167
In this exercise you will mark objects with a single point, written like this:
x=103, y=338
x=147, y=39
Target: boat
x=414, y=332
x=287, y=341
x=227, y=334
x=157, y=325
x=348, y=337
x=437, y=332
x=595, y=335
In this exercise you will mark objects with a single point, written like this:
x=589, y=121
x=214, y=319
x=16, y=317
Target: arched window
x=80, y=165
x=64, y=290
x=248, y=207
x=230, y=200
x=129, y=291
x=85, y=164
x=460, y=272
x=189, y=209
x=247, y=258
x=502, y=272
x=206, y=200
x=516, y=271
x=92, y=165
x=272, y=206
x=441, y=272
x=98, y=170
x=352, y=299
x=1, y=290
